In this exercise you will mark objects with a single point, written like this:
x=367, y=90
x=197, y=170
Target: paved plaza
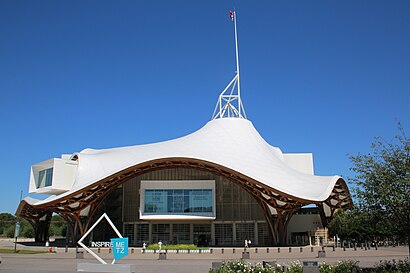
x=65, y=262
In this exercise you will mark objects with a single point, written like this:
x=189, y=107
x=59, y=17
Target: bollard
x=99, y=250
x=222, y=251
x=290, y=249
x=162, y=256
x=267, y=250
x=311, y=249
x=321, y=254
x=132, y=251
x=79, y=254
x=256, y=250
x=246, y=255
x=109, y=250
x=233, y=250
x=333, y=248
x=344, y=248
x=155, y=251
x=66, y=248
x=211, y=250
x=189, y=251
x=354, y=247
x=177, y=251
x=301, y=249
x=278, y=250
x=200, y=251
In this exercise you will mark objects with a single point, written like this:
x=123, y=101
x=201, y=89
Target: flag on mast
x=231, y=14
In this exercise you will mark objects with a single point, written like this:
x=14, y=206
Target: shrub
x=245, y=267
x=175, y=247
x=295, y=267
x=326, y=268
x=347, y=266
x=400, y=266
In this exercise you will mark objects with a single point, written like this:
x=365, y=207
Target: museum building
x=218, y=186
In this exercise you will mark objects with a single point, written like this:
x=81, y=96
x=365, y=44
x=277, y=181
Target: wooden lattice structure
x=79, y=207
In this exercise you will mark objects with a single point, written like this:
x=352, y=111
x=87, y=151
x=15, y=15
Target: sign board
x=17, y=230
x=80, y=242
x=119, y=247
x=310, y=263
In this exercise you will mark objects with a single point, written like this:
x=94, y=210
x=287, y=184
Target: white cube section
x=53, y=176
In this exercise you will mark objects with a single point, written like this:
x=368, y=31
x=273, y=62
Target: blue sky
x=316, y=76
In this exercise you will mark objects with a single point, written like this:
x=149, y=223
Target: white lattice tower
x=229, y=103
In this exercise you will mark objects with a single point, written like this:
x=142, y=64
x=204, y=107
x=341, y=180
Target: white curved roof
x=230, y=142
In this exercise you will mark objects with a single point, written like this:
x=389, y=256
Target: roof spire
x=229, y=103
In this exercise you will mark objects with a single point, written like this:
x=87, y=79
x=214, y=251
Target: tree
x=7, y=223
x=382, y=185
x=58, y=226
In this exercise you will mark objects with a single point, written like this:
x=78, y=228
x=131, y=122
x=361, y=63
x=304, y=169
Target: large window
x=178, y=201
x=177, y=198
x=45, y=178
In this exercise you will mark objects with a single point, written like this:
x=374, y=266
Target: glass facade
x=245, y=231
x=183, y=191
x=161, y=232
x=45, y=178
x=112, y=205
x=181, y=233
x=178, y=201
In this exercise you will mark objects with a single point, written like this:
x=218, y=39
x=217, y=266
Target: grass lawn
x=176, y=247
x=21, y=251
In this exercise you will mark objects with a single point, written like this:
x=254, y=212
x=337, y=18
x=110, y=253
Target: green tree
x=382, y=185
x=9, y=231
x=6, y=220
x=27, y=231
x=352, y=224
x=58, y=226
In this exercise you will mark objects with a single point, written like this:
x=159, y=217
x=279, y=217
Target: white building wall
x=64, y=173
x=303, y=223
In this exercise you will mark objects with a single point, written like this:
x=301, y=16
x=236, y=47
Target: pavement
x=64, y=262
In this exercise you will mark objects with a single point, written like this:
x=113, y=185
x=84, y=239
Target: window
x=223, y=234
x=129, y=232
x=142, y=234
x=178, y=201
x=45, y=178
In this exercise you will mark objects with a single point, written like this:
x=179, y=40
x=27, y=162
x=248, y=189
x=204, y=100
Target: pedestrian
x=160, y=245
x=249, y=243
x=144, y=246
x=246, y=243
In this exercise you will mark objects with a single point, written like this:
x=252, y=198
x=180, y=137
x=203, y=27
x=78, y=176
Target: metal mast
x=229, y=103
